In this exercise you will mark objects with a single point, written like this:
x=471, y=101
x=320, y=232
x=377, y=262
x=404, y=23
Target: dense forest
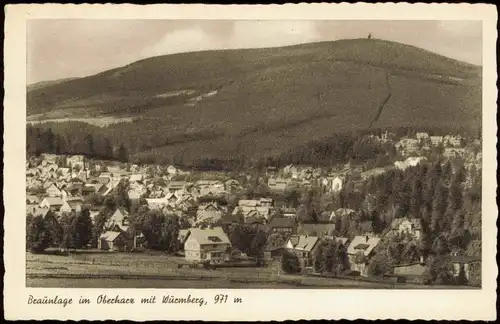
x=446, y=197
x=103, y=143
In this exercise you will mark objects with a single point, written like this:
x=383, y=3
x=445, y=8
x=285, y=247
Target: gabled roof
x=304, y=243
x=282, y=222
x=363, y=243
x=248, y=203
x=32, y=198
x=74, y=186
x=183, y=235
x=54, y=201
x=342, y=240
x=47, y=184
x=136, y=177
x=176, y=184
x=342, y=212
x=209, y=236
x=38, y=211
x=320, y=230
x=110, y=236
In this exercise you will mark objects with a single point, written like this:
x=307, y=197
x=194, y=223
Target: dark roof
x=88, y=189
x=362, y=246
x=74, y=186
x=320, y=230
x=281, y=222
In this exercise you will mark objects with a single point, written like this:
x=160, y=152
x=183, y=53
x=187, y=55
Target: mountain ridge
x=270, y=99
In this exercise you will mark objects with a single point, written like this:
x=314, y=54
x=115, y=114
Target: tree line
x=105, y=143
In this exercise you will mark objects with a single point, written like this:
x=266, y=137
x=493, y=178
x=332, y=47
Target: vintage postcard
x=245, y=163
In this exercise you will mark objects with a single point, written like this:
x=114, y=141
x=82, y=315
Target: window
x=214, y=245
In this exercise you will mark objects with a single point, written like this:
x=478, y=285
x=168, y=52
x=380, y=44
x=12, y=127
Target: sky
x=76, y=48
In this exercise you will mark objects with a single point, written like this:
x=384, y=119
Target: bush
x=290, y=263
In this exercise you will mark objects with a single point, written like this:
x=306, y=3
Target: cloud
x=68, y=48
x=461, y=28
x=238, y=34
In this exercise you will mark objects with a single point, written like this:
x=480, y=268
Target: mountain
x=43, y=84
x=264, y=101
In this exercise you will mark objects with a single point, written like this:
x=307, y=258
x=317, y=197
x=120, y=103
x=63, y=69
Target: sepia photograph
x=205, y=158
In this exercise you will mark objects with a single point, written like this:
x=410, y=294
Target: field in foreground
x=120, y=270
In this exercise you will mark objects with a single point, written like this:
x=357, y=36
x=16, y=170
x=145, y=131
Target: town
x=412, y=215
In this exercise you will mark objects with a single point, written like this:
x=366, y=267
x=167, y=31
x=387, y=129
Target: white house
x=411, y=226
x=359, y=252
x=209, y=244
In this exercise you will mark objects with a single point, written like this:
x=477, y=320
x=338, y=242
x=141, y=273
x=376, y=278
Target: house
x=76, y=160
x=316, y=229
x=49, y=157
x=289, y=212
x=253, y=211
x=341, y=213
x=451, y=140
x=341, y=240
x=463, y=264
x=422, y=136
x=208, y=212
x=87, y=190
x=113, y=241
x=304, y=247
x=119, y=217
x=282, y=225
x=365, y=175
x=248, y=203
x=71, y=206
x=211, y=191
x=333, y=184
x=99, y=188
x=359, y=251
x=53, y=191
x=277, y=185
x=36, y=211
x=32, y=199
x=436, y=140
x=103, y=179
x=273, y=252
x=136, y=177
x=266, y=202
x=53, y=203
x=411, y=161
x=182, y=237
x=415, y=272
x=407, y=145
x=172, y=170
x=74, y=188
x=209, y=244
x=212, y=184
x=232, y=184
x=454, y=153
x=409, y=226
x=292, y=171
x=175, y=186
x=83, y=176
